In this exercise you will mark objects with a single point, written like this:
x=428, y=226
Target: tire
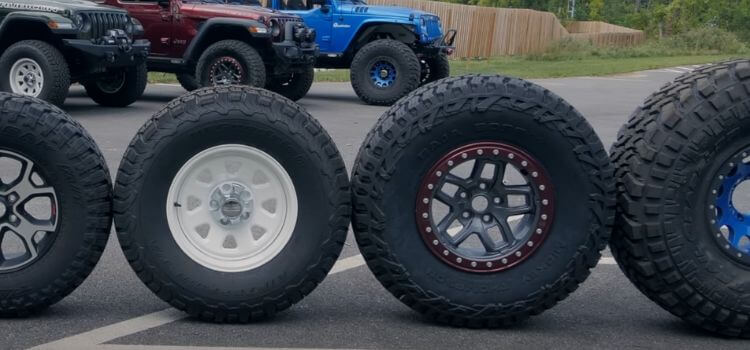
x=236, y=55
x=55, y=74
x=189, y=82
x=668, y=159
x=240, y=120
x=435, y=68
x=412, y=147
x=121, y=89
x=75, y=214
x=398, y=60
x=294, y=87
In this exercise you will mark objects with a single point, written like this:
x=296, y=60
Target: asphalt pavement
x=113, y=310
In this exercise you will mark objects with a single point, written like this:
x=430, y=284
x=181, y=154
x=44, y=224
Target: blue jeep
x=390, y=50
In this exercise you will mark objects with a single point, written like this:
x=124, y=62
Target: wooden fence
x=489, y=31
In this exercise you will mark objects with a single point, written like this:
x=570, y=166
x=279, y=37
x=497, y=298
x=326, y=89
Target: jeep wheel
x=384, y=71
x=682, y=234
x=35, y=69
x=189, y=82
x=55, y=205
x=435, y=68
x=514, y=200
x=120, y=88
x=295, y=86
x=243, y=204
x=231, y=62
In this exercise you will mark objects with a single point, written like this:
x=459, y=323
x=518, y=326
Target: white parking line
x=93, y=339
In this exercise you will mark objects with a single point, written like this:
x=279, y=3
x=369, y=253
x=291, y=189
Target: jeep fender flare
x=43, y=19
x=193, y=51
x=401, y=29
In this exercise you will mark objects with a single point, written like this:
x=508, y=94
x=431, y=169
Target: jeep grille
x=282, y=22
x=101, y=22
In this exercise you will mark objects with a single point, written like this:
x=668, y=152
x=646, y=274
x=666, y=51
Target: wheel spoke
x=476, y=171
x=517, y=190
x=446, y=222
x=455, y=180
x=265, y=220
x=505, y=231
x=462, y=235
x=445, y=198
x=520, y=210
x=487, y=241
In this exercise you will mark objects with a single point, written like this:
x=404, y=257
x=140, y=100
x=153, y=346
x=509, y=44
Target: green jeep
x=48, y=45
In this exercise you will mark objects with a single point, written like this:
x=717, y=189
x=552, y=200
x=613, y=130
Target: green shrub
x=703, y=40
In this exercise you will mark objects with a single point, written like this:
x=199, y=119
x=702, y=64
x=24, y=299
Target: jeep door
x=156, y=17
x=317, y=14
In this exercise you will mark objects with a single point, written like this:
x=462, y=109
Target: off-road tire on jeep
x=676, y=149
x=189, y=82
x=240, y=55
x=393, y=54
x=54, y=67
x=132, y=88
x=437, y=67
x=295, y=87
x=241, y=119
x=64, y=166
x=414, y=145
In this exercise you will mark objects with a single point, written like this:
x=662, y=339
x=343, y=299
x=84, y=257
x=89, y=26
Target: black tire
x=411, y=137
x=241, y=56
x=189, y=82
x=393, y=53
x=668, y=158
x=435, y=68
x=294, y=87
x=68, y=161
x=120, y=89
x=250, y=117
x=52, y=63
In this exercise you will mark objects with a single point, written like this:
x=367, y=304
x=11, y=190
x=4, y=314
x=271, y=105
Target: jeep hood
x=232, y=11
x=57, y=6
x=384, y=11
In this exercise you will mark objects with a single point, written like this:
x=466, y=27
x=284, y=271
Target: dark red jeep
x=215, y=42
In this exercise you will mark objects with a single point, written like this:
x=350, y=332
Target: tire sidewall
x=72, y=232
x=571, y=229
x=695, y=252
x=287, y=268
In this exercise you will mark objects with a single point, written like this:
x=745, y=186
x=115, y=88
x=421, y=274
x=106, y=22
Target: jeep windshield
x=356, y=2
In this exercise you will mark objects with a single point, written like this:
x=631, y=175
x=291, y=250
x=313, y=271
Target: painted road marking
x=94, y=338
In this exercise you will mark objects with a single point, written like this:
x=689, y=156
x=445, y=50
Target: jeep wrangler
x=215, y=42
x=48, y=45
x=390, y=50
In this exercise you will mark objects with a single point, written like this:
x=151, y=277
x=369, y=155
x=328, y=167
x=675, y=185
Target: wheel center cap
x=384, y=73
x=231, y=203
x=480, y=203
x=29, y=79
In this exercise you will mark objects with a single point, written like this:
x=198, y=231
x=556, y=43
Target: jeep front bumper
x=293, y=53
x=445, y=45
x=115, y=55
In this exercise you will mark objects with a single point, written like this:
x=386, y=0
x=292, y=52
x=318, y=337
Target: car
x=390, y=50
x=211, y=42
x=48, y=45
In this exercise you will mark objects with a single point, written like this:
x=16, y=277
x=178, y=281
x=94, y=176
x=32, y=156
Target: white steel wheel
x=232, y=208
x=26, y=78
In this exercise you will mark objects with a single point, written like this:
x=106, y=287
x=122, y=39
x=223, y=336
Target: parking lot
x=350, y=310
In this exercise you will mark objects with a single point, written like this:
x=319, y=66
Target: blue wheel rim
x=383, y=74
x=732, y=226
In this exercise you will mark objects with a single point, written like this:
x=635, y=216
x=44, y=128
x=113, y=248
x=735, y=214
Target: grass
x=526, y=68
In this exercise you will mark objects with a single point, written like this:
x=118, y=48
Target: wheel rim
x=112, y=83
x=729, y=214
x=232, y=208
x=28, y=212
x=383, y=74
x=486, y=225
x=26, y=78
x=227, y=71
